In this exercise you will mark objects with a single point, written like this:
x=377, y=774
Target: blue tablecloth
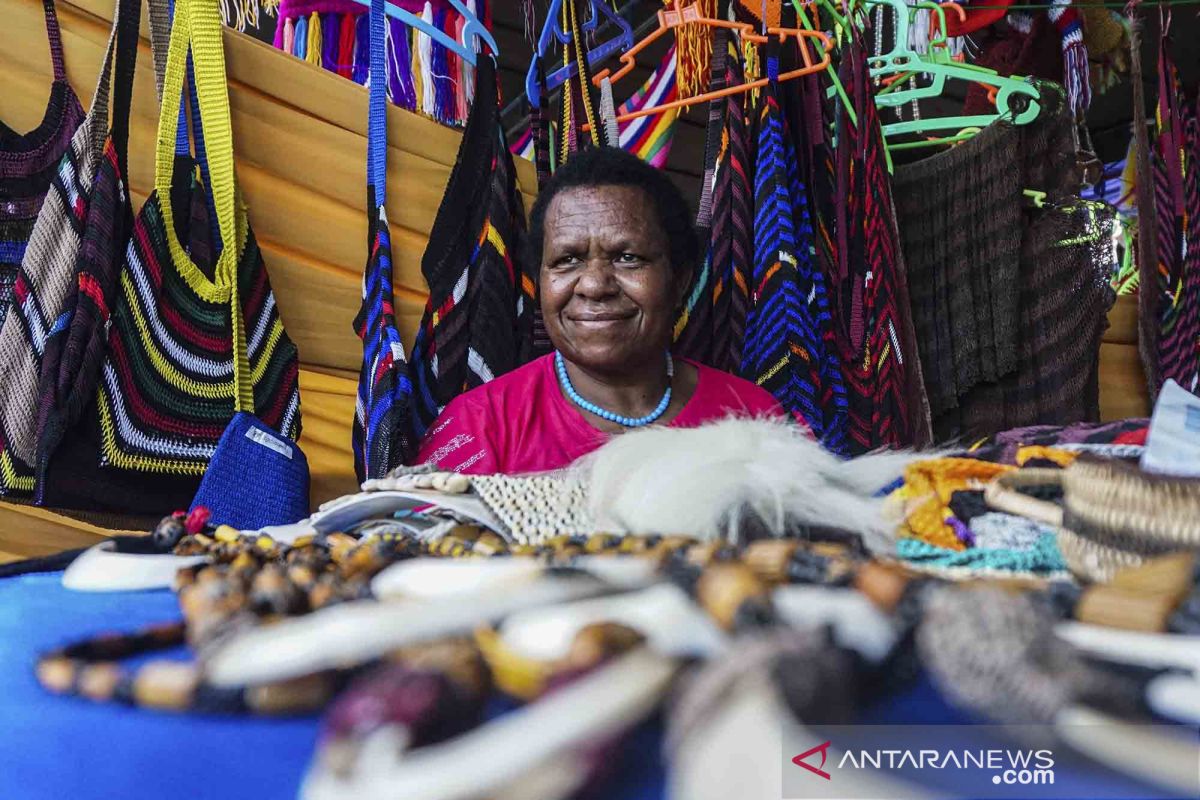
x=71, y=749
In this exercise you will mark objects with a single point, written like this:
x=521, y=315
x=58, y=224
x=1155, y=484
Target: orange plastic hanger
x=670, y=19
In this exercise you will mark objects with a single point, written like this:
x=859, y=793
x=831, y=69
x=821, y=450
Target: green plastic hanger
x=1017, y=100
x=961, y=136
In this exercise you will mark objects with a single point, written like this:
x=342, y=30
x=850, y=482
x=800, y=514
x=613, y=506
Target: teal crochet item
x=1042, y=557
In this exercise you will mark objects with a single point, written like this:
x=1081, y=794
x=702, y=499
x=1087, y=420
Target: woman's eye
x=628, y=258
x=567, y=261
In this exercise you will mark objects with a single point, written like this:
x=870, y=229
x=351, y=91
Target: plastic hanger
x=961, y=136
x=473, y=29
x=1016, y=100
x=670, y=19
x=553, y=30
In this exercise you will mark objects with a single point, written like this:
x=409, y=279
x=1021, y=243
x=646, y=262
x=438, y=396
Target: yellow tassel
x=693, y=51
x=315, y=43
x=418, y=83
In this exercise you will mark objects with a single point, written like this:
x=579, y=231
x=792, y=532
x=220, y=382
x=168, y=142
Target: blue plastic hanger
x=553, y=30
x=474, y=28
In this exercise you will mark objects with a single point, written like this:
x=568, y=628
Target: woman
x=616, y=249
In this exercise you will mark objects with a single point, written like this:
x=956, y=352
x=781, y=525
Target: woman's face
x=609, y=295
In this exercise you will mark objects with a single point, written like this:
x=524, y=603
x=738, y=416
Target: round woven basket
x=1113, y=515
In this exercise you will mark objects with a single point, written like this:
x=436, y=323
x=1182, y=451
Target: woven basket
x=1113, y=515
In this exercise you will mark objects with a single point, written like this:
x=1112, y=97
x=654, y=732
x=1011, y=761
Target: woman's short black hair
x=612, y=166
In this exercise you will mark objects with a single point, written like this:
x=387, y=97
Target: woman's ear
x=683, y=284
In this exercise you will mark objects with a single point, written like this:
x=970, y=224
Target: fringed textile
x=423, y=76
x=1076, y=74
x=694, y=45
x=469, y=332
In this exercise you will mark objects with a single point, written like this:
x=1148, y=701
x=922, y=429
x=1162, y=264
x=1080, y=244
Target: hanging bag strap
x=126, y=12
x=377, y=109
x=716, y=124
x=129, y=20
x=54, y=34
x=197, y=24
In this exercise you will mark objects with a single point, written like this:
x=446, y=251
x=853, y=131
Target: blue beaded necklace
x=564, y=380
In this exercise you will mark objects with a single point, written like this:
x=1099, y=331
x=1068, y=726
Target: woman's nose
x=598, y=279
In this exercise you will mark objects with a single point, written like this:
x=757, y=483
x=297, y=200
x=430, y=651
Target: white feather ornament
x=718, y=479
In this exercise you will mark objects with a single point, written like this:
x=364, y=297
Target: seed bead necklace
x=560, y=365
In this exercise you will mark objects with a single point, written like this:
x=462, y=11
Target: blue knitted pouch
x=255, y=478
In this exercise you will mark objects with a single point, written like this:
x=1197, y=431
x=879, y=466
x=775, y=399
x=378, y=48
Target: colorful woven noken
x=422, y=75
x=192, y=340
x=381, y=414
x=29, y=163
x=86, y=211
x=1175, y=291
x=867, y=286
x=732, y=227
x=696, y=325
x=472, y=328
x=785, y=348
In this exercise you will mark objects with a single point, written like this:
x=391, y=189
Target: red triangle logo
x=822, y=749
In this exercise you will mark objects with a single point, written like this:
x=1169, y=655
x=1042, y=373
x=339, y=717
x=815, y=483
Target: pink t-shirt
x=520, y=422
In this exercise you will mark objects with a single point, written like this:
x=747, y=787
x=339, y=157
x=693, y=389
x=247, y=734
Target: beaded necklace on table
x=564, y=380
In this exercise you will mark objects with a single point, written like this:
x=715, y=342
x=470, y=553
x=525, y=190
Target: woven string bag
x=87, y=209
x=192, y=341
x=381, y=416
x=28, y=165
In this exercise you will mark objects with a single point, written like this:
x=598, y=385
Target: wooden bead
x=731, y=591
x=165, y=684
x=708, y=552
x=297, y=696
x=99, y=681
x=883, y=584
x=769, y=558
x=340, y=545
x=601, y=640
x=56, y=674
x=227, y=534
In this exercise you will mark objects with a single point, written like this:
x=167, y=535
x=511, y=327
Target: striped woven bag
x=29, y=163
x=381, y=426
x=92, y=169
x=191, y=343
x=469, y=332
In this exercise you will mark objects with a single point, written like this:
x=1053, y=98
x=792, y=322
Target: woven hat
x=1113, y=515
